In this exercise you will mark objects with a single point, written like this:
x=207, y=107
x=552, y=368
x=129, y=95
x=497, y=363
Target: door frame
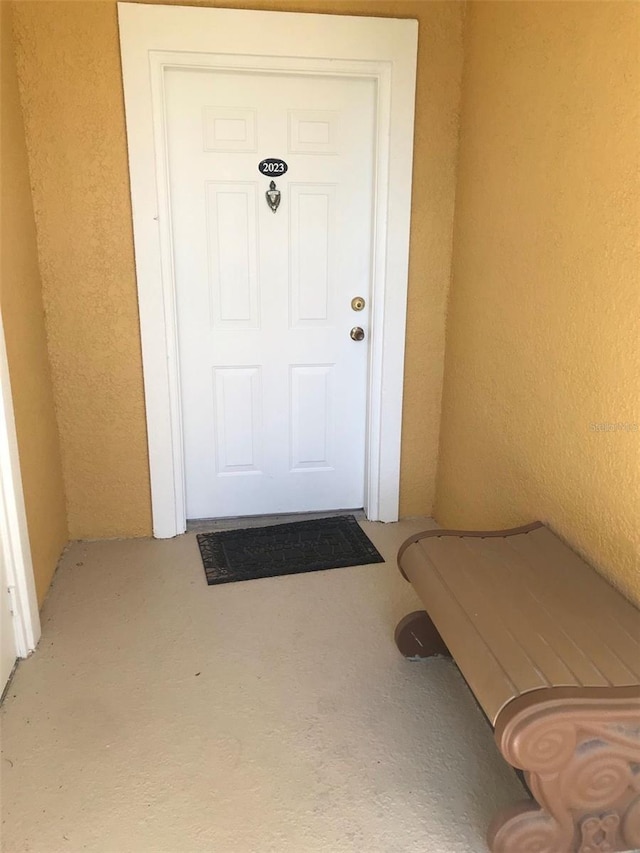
x=152, y=38
x=14, y=535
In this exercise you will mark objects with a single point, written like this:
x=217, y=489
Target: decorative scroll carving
x=580, y=750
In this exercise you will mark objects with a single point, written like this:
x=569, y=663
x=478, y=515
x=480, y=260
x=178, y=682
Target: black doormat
x=285, y=549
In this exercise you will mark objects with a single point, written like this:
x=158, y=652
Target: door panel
x=312, y=423
x=263, y=298
x=312, y=238
x=233, y=254
x=228, y=129
x=237, y=419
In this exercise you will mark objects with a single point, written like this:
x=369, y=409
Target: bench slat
x=473, y=585
x=484, y=674
x=526, y=595
x=606, y=625
x=521, y=609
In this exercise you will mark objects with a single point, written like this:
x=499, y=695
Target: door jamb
x=381, y=49
x=14, y=537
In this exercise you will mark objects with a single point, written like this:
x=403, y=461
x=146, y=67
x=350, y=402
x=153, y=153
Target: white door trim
x=14, y=537
x=384, y=49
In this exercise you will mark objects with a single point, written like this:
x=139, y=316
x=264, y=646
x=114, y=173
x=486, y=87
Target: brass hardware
x=358, y=303
x=357, y=333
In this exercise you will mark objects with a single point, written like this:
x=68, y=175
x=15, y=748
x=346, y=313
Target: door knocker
x=273, y=196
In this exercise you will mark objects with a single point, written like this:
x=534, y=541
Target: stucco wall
x=24, y=328
x=68, y=58
x=543, y=341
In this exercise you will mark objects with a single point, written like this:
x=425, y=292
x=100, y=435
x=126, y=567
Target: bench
x=552, y=654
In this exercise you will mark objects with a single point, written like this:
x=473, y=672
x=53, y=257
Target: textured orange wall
x=543, y=340
x=72, y=100
x=23, y=321
x=68, y=58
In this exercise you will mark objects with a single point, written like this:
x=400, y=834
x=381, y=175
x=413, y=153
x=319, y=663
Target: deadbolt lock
x=357, y=303
x=357, y=333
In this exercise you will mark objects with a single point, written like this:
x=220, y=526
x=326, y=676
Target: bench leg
x=581, y=758
x=417, y=637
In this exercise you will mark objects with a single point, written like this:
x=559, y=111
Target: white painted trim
x=384, y=49
x=14, y=537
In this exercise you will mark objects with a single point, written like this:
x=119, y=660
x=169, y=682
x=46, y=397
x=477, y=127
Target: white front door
x=274, y=389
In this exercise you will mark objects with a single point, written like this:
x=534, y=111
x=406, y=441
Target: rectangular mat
x=285, y=549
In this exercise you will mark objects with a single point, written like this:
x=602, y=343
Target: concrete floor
x=274, y=716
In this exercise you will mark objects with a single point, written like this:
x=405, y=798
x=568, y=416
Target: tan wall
x=543, y=329
x=68, y=58
x=23, y=321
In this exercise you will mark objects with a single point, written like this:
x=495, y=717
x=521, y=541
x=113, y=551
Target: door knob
x=357, y=333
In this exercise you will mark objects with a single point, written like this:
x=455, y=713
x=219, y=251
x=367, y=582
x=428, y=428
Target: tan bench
x=552, y=653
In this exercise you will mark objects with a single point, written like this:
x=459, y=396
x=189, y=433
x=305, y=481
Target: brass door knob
x=357, y=333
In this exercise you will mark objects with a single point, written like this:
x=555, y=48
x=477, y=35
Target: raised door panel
x=237, y=419
x=233, y=254
x=311, y=417
x=312, y=240
x=313, y=131
x=229, y=130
